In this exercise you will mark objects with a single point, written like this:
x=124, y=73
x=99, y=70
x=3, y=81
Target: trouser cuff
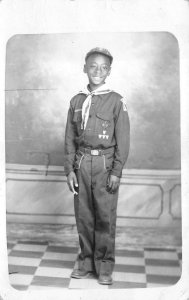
x=104, y=267
x=86, y=264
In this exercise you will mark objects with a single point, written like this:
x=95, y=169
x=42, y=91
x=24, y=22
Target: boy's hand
x=113, y=183
x=72, y=182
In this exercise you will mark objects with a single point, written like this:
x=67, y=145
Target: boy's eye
x=104, y=68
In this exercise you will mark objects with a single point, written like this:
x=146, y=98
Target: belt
x=96, y=152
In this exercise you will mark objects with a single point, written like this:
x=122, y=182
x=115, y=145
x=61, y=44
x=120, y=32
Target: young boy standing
x=96, y=148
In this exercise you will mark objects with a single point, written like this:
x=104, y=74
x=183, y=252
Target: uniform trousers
x=95, y=213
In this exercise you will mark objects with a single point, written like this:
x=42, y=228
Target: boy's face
x=97, y=68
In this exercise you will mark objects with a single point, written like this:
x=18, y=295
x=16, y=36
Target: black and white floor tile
x=38, y=265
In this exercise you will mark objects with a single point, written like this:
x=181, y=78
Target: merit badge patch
x=123, y=100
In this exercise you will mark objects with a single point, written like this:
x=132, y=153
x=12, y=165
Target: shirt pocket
x=104, y=124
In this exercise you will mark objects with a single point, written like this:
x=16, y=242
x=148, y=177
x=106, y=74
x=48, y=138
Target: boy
x=96, y=149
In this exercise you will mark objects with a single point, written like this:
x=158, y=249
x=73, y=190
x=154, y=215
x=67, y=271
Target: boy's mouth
x=97, y=77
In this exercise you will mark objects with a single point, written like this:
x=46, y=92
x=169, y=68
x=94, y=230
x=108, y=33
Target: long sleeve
x=122, y=135
x=70, y=147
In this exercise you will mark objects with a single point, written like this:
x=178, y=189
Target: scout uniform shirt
x=107, y=127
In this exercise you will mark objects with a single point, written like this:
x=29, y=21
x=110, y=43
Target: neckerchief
x=103, y=89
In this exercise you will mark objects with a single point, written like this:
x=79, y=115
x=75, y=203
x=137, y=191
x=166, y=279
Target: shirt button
x=90, y=116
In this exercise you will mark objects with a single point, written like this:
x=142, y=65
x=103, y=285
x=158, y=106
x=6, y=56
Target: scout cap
x=101, y=51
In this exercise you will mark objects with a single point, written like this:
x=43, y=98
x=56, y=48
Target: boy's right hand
x=72, y=182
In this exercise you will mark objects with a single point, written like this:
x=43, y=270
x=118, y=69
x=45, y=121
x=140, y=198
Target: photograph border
x=44, y=17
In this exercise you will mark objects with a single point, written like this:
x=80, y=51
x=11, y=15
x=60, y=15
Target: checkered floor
x=37, y=265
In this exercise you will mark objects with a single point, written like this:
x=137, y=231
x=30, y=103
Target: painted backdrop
x=43, y=72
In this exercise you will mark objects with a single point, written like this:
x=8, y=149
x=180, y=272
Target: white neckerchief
x=103, y=89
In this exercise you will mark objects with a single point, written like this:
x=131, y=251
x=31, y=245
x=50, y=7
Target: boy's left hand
x=113, y=183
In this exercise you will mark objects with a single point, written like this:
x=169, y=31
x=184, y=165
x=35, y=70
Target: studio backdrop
x=43, y=72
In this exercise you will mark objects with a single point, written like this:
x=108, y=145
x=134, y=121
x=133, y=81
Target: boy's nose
x=98, y=71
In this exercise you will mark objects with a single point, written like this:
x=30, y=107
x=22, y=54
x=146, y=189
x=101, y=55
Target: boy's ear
x=109, y=71
x=84, y=69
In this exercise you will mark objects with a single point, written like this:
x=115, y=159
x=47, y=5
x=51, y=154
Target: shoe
x=105, y=279
x=79, y=273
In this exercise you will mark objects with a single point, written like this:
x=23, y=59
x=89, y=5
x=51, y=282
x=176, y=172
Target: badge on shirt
x=105, y=124
x=123, y=100
x=104, y=135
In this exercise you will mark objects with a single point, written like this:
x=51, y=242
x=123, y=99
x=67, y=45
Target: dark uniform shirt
x=107, y=127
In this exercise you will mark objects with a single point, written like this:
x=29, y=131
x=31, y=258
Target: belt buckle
x=94, y=152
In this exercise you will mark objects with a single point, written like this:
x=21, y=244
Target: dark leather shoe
x=80, y=273
x=105, y=279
